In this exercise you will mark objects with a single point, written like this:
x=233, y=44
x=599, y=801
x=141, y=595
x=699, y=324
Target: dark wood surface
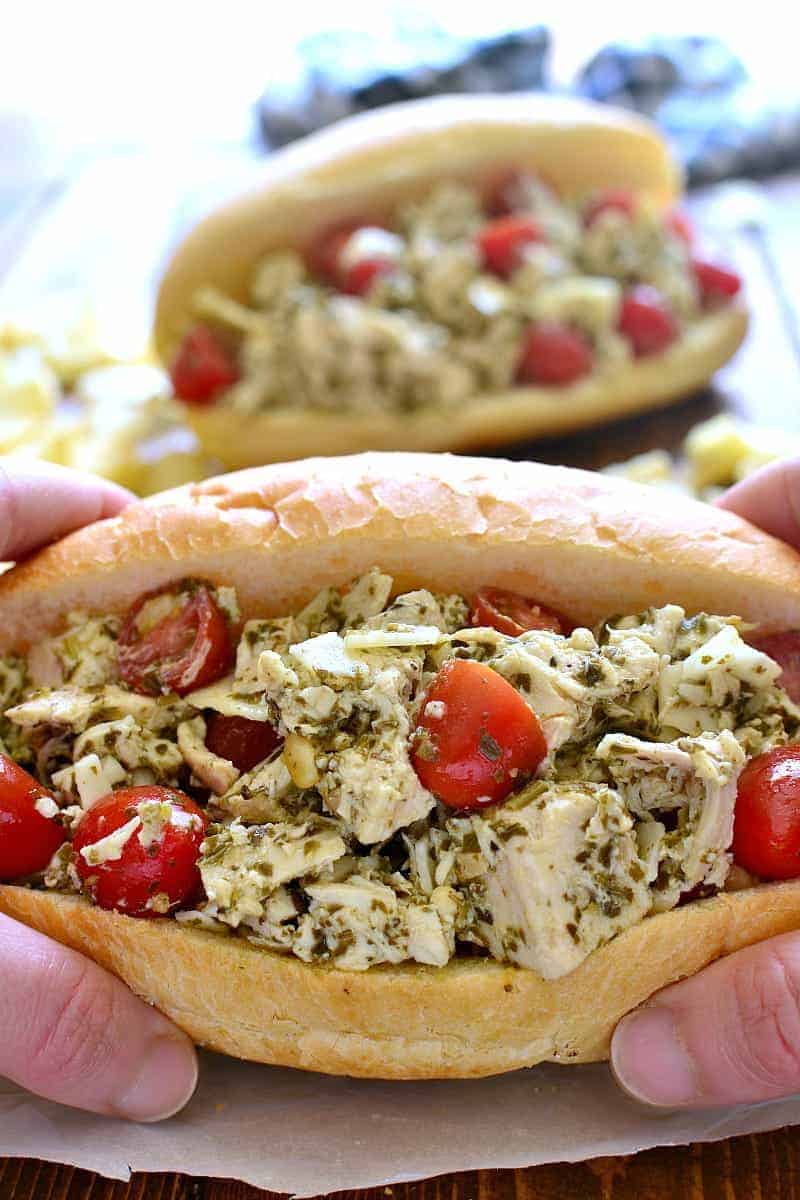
x=762, y=228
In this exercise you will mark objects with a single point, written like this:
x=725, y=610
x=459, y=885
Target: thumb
x=770, y=498
x=40, y=502
x=72, y=1032
x=729, y=1035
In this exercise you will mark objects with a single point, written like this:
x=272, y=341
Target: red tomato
x=358, y=279
x=483, y=742
x=324, y=256
x=554, y=353
x=166, y=867
x=502, y=241
x=766, y=830
x=510, y=613
x=614, y=200
x=679, y=224
x=244, y=743
x=785, y=649
x=201, y=369
x=717, y=284
x=647, y=321
x=28, y=840
x=187, y=646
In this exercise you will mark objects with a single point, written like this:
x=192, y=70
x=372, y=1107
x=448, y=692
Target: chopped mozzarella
x=222, y=699
x=399, y=635
x=370, y=242
x=46, y=807
x=110, y=848
x=91, y=777
x=327, y=654
x=241, y=866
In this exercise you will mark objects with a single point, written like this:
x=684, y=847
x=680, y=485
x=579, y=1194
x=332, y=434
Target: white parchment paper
x=306, y=1134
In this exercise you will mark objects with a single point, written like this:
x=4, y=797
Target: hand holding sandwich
x=75, y=1034
x=730, y=1034
x=69, y=1030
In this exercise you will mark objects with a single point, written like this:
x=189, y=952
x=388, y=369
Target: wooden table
x=69, y=221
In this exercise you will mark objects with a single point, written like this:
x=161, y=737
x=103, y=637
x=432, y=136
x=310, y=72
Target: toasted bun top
x=587, y=544
x=364, y=167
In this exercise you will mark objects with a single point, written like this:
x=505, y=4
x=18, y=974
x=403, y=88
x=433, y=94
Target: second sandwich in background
x=445, y=274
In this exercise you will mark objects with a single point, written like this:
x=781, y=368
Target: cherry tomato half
x=141, y=873
x=501, y=242
x=766, y=829
x=325, y=259
x=476, y=739
x=717, y=284
x=174, y=647
x=784, y=648
x=512, y=614
x=614, y=200
x=358, y=279
x=554, y=354
x=202, y=368
x=243, y=742
x=28, y=838
x=647, y=321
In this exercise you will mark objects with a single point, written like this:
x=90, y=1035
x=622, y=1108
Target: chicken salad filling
x=384, y=778
x=467, y=294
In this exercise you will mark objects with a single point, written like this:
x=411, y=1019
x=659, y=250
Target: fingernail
x=650, y=1061
x=166, y=1081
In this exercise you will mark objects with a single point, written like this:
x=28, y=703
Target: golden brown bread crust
x=589, y=545
x=473, y=1017
x=363, y=168
x=280, y=533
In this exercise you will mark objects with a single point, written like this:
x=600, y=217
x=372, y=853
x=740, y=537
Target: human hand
x=69, y=1030
x=730, y=1034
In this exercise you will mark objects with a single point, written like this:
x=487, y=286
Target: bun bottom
x=495, y=420
x=474, y=1017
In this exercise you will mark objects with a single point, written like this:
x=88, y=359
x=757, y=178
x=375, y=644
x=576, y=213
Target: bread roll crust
x=364, y=168
x=473, y=1017
x=280, y=533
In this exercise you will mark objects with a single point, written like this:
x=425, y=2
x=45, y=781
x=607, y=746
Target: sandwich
x=446, y=274
x=402, y=766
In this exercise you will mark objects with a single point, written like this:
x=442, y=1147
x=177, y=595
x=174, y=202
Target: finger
x=729, y=1035
x=40, y=502
x=71, y=1032
x=770, y=498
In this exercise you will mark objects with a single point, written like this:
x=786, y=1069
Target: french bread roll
x=363, y=169
x=587, y=545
